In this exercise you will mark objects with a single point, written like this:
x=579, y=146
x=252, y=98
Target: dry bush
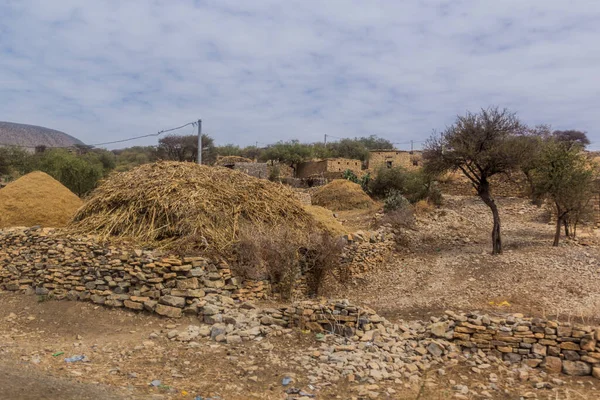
x=320, y=259
x=423, y=207
x=282, y=257
x=272, y=255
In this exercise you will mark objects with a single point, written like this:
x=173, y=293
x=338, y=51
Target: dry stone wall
x=83, y=269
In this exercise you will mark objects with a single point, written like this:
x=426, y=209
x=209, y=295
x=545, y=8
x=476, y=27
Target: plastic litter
x=75, y=359
x=155, y=383
x=60, y=353
x=286, y=381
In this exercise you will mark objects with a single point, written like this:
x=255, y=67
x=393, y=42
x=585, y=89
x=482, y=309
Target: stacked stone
x=556, y=346
x=337, y=317
x=83, y=269
x=366, y=251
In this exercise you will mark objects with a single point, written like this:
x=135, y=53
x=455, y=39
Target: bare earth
x=443, y=264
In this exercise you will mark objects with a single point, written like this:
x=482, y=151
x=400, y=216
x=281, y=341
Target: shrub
x=281, y=257
x=414, y=185
x=320, y=258
x=395, y=201
x=363, y=182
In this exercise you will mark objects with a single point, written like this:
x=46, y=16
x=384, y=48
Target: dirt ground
x=443, y=264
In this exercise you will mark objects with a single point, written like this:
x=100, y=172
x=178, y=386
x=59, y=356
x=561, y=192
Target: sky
x=266, y=70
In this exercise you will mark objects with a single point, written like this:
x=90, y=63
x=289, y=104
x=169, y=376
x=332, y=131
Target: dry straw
x=187, y=207
x=340, y=195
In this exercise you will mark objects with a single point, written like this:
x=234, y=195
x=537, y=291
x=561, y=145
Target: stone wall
x=557, y=346
x=330, y=168
x=258, y=170
x=394, y=158
x=515, y=185
x=83, y=269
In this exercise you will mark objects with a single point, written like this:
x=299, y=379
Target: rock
x=576, y=368
x=171, y=312
x=210, y=309
x=435, y=349
x=133, y=305
x=439, y=329
x=233, y=339
x=596, y=372
x=553, y=364
x=172, y=301
x=216, y=330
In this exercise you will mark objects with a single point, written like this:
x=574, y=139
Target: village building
x=245, y=165
x=329, y=168
x=394, y=158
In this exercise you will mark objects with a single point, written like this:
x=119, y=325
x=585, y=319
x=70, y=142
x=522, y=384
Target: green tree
x=291, y=153
x=14, y=162
x=480, y=145
x=566, y=175
x=132, y=157
x=228, y=150
x=78, y=173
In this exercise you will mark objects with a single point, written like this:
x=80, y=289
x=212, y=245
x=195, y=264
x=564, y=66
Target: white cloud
x=270, y=70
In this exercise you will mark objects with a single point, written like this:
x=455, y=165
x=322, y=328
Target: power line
x=145, y=136
x=105, y=143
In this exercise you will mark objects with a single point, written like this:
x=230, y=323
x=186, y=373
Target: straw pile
x=325, y=220
x=340, y=195
x=227, y=160
x=37, y=199
x=188, y=207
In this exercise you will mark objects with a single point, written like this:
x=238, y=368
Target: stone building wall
x=258, y=170
x=394, y=158
x=331, y=168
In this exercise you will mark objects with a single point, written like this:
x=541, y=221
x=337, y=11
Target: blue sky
x=267, y=70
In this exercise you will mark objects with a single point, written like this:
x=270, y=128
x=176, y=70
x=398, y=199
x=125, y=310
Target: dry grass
x=326, y=220
x=341, y=194
x=188, y=207
x=37, y=199
x=232, y=159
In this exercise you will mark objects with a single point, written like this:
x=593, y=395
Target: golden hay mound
x=37, y=199
x=188, y=207
x=326, y=220
x=232, y=159
x=341, y=194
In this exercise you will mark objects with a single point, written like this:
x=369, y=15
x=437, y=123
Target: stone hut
x=394, y=158
x=330, y=168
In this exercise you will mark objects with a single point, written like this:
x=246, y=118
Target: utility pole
x=200, y=141
x=325, y=139
x=411, y=146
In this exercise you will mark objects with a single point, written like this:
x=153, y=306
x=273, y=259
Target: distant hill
x=31, y=136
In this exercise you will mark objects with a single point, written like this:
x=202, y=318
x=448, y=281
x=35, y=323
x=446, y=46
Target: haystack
x=188, y=207
x=326, y=220
x=37, y=199
x=227, y=160
x=340, y=195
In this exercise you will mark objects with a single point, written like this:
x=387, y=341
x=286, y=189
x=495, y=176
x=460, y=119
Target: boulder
x=576, y=368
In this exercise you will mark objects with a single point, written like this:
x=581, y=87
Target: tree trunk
x=566, y=224
x=559, y=221
x=484, y=194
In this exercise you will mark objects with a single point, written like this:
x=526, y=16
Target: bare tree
x=480, y=145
